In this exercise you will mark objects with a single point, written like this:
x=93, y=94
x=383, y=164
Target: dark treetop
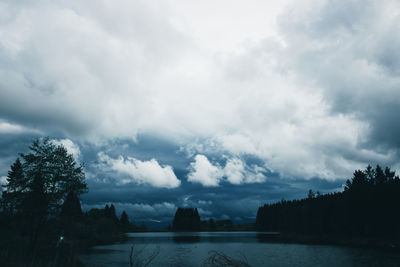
x=186, y=219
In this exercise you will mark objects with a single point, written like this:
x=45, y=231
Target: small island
x=186, y=220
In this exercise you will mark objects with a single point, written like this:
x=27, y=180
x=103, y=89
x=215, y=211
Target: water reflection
x=206, y=237
x=267, y=237
x=224, y=237
x=186, y=238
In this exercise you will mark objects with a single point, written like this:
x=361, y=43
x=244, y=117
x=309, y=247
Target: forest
x=368, y=207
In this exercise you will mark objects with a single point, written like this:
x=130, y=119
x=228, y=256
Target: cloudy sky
x=220, y=105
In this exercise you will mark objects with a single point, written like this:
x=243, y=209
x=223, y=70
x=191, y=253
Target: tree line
x=368, y=206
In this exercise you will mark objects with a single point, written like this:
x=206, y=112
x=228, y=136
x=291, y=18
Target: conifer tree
x=124, y=218
x=12, y=196
x=72, y=206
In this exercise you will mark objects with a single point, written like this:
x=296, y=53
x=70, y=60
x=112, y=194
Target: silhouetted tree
x=211, y=224
x=16, y=178
x=124, y=218
x=113, y=214
x=143, y=227
x=310, y=194
x=107, y=211
x=38, y=186
x=50, y=169
x=186, y=219
x=72, y=206
x=14, y=189
x=126, y=225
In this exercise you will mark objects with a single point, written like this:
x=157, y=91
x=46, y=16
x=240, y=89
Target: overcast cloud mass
x=221, y=105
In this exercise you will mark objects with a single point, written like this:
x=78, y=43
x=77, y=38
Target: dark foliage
x=40, y=196
x=126, y=225
x=186, y=219
x=369, y=207
x=109, y=212
x=220, y=225
x=71, y=206
x=41, y=220
x=14, y=187
x=124, y=218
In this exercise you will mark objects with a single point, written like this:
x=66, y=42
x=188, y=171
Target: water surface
x=191, y=249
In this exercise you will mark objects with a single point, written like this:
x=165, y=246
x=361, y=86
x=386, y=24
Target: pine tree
x=310, y=194
x=13, y=194
x=186, y=219
x=380, y=177
x=124, y=218
x=15, y=178
x=72, y=206
x=113, y=215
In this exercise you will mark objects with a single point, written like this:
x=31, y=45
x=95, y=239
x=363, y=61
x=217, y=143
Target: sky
x=220, y=105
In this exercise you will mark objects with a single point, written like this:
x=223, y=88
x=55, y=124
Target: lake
x=191, y=249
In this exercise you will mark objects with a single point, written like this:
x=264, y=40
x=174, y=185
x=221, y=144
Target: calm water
x=191, y=249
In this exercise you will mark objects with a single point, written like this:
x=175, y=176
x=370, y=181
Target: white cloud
x=11, y=128
x=228, y=30
x=6, y=128
x=235, y=172
x=141, y=172
x=3, y=180
x=203, y=172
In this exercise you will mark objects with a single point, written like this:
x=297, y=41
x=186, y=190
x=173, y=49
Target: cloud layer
x=311, y=88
